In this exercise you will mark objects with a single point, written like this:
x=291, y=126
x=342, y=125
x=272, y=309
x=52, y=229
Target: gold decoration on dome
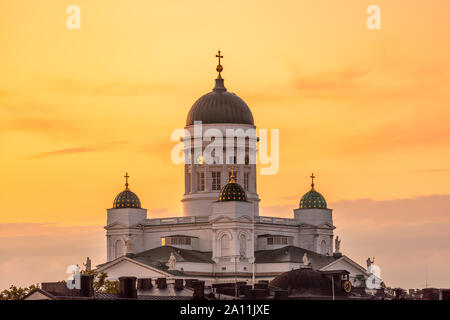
x=232, y=177
x=312, y=181
x=219, y=67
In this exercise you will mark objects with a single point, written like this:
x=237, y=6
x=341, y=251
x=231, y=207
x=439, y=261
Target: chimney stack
x=144, y=284
x=161, y=283
x=179, y=284
x=199, y=290
x=128, y=288
x=87, y=285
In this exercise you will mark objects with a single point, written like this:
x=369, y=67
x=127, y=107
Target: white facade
x=229, y=232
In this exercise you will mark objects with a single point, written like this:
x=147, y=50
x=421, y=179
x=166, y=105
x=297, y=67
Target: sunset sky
x=366, y=110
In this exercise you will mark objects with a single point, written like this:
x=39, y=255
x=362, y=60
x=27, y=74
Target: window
x=323, y=247
x=177, y=241
x=119, y=248
x=216, y=180
x=200, y=181
x=279, y=240
x=188, y=188
x=225, y=245
x=246, y=174
x=242, y=245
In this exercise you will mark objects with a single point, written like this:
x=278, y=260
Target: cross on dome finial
x=312, y=180
x=219, y=67
x=126, y=176
x=232, y=177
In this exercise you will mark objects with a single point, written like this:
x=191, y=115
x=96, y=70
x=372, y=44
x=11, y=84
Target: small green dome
x=313, y=199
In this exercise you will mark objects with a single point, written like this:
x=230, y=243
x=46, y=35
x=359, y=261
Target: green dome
x=313, y=199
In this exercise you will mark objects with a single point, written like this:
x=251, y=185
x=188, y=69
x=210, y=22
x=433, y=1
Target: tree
x=17, y=293
x=101, y=283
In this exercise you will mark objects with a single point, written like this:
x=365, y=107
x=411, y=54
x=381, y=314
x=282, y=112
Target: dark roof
x=158, y=257
x=232, y=191
x=127, y=199
x=43, y=292
x=155, y=294
x=220, y=106
x=293, y=254
x=308, y=282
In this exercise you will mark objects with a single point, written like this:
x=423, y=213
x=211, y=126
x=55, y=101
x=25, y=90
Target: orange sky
x=366, y=110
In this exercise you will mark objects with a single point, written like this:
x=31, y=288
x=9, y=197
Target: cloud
x=381, y=78
x=71, y=87
x=49, y=125
x=38, y=252
x=424, y=132
x=409, y=237
x=330, y=81
x=432, y=170
x=99, y=147
x=369, y=213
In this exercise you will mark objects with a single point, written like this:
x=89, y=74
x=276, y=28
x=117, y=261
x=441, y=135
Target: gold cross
x=312, y=180
x=219, y=56
x=126, y=176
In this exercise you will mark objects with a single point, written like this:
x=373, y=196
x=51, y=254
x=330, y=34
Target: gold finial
x=312, y=180
x=232, y=177
x=219, y=67
x=126, y=176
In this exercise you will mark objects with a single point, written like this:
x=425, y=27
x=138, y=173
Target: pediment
x=347, y=264
x=125, y=266
x=226, y=218
x=115, y=225
x=326, y=226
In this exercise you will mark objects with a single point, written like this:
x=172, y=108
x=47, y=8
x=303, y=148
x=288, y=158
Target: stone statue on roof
x=337, y=244
x=88, y=264
x=370, y=262
x=128, y=244
x=172, y=261
x=306, y=261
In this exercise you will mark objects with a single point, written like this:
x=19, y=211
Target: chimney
x=179, y=284
x=199, y=290
x=127, y=288
x=87, y=285
x=161, y=283
x=144, y=284
x=189, y=282
x=281, y=295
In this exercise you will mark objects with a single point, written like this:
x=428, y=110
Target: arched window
x=225, y=242
x=242, y=245
x=119, y=249
x=323, y=247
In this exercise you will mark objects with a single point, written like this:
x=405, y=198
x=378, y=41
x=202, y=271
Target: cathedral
x=221, y=236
